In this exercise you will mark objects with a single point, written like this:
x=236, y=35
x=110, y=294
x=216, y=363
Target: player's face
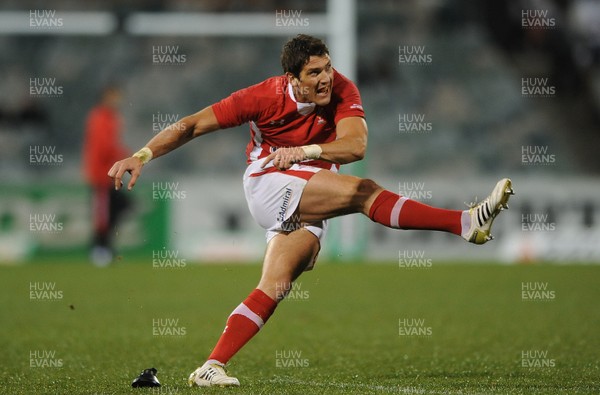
x=315, y=82
x=113, y=98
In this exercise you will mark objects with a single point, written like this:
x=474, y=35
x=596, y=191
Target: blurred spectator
x=102, y=147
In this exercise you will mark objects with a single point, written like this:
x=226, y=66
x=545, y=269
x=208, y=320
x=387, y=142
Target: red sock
x=243, y=323
x=395, y=211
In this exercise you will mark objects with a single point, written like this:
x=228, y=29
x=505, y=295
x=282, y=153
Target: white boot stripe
x=483, y=214
x=480, y=218
x=487, y=210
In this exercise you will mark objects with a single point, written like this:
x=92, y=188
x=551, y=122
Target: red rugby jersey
x=276, y=119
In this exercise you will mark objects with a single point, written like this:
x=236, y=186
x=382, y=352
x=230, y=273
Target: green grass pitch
x=347, y=329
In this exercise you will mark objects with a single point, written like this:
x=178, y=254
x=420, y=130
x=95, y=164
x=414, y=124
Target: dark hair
x=298, y=50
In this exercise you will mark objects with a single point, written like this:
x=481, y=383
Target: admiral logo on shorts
x=293, y=222
x=287, y=195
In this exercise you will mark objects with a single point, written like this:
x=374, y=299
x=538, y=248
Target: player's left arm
x=350, y=146
x=351, y=143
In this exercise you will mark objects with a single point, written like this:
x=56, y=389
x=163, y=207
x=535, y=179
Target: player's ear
x=292, y=79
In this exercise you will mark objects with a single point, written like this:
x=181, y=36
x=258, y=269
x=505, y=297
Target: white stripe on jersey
x=257, y=139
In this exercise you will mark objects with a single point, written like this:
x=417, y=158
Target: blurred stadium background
x=443, y=126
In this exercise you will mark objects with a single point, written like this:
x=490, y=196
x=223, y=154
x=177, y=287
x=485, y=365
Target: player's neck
x=297, y=96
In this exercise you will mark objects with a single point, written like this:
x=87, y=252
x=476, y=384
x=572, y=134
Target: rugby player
x=304, y=124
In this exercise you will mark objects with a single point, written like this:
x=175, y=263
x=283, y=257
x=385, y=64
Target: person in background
x=102, y=147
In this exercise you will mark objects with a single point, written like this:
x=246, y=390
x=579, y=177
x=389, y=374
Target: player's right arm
x=174, y=136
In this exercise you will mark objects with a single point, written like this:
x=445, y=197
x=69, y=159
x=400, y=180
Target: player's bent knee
x=364, y=188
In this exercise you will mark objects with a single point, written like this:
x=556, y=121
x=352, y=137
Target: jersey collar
x=303, y=108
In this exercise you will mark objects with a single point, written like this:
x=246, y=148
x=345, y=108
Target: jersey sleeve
x=349, y=101
x=245, y=105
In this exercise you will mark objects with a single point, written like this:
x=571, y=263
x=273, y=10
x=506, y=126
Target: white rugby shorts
x=273, y=198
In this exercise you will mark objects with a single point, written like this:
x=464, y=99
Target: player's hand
x=284, y=158
x=132, y=165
